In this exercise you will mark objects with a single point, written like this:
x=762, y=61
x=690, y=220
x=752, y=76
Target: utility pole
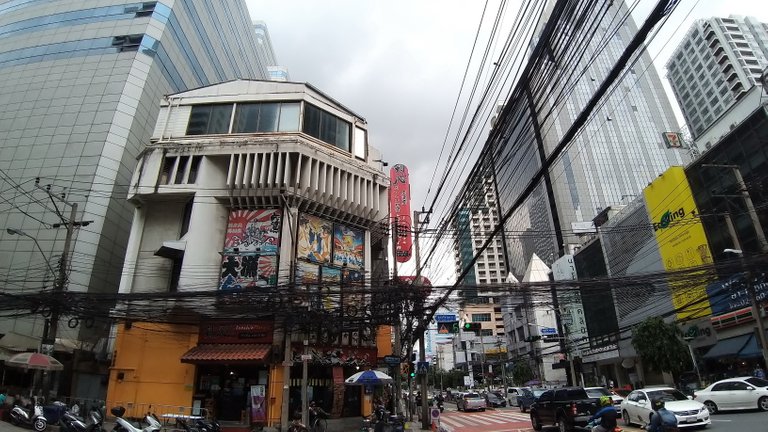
x=425, y=418
x=51, y=326
x=304, y=377
x=398, y=348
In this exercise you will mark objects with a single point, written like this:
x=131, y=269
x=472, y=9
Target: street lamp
x=13, y=231
x=753, y=300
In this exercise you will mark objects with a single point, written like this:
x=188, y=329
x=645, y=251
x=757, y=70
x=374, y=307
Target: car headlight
x=703, y=410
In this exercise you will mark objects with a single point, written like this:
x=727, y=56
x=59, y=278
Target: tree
x=660, y=347
x=521, y=373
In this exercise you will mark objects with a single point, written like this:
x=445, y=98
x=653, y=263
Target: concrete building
x=716, y=63
x=82, y=83
x=252, y=191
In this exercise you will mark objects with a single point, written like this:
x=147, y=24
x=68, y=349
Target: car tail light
x=573, y=409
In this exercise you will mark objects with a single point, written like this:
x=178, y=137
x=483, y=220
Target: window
x=360, y=141
x=185, y=218
x=127, y=42
x=720, y=387
x=326, y=127
x=194, y=167
x=209, y=119
x=165, y=171
x=266, y=117
x=482, y=317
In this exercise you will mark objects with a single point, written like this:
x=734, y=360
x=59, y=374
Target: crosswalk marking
x=487, y=419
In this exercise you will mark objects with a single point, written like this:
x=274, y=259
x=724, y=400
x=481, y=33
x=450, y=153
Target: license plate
x=690, y=419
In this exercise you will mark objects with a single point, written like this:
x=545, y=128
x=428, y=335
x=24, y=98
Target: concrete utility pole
x=425, y=418
x=398, y=344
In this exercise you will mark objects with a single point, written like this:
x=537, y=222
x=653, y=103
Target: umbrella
x=31, y=360
x=369, y=378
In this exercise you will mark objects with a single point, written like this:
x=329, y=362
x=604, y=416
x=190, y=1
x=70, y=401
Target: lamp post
x=753, y=300
x=18, y=232
x=693, y=358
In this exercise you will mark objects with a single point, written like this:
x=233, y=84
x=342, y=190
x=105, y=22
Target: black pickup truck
x=568, y=408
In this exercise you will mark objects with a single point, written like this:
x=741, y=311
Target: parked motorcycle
x=29, y=416
x=208, y=426
x=70, y=422
x=123, y=425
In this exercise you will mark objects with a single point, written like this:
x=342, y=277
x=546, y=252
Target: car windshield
x=597, y=392
x=666, y=395
x=537, y=393
x=757, y=382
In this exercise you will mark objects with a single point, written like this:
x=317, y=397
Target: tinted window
x=667, y=395
x=720, y=387
x=546, y=396
x=597, y=392
x=266, y=117
x=209, y=119
x=757, y=382
x=738, y=385
x=326, y=127
x=471, y=396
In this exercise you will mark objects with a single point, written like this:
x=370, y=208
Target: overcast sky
x=399, y=64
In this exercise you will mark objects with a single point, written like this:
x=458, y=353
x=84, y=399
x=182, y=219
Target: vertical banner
x=258, y=404
x=348, y=247
x=331, y=289
x=400, y=209
x=308, y=276
x=681, y=238
x=314, y=242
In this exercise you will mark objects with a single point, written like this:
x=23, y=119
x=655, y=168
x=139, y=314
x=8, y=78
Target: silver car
x=471, y=401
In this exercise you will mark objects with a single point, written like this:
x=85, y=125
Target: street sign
x=306, y=357
x=445, y=318
x=391, y=360
x=422, y=368
x=449, y=327
x=287, y=363
x=435, y=413
x=547, y=331
x=468, y=381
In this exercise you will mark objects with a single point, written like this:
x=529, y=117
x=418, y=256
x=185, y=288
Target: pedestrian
x=759, y=372
x=3, y=397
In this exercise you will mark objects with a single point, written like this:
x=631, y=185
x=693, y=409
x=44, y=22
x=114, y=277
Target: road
x=512, y=420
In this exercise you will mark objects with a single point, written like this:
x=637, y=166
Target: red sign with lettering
x=236, y=332
x=400, y=210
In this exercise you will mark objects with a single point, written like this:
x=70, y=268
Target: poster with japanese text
x=254, y=232
x=248, y=271
x=314, y=242
x=348, y=247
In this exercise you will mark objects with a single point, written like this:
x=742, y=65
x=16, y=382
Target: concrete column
x=200, y=269
x=132, y=250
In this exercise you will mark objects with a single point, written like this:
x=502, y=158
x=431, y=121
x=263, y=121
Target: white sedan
x=735, y=393
x=636, y=407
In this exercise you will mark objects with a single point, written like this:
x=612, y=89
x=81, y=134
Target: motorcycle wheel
x=14, y=420
x=40, y=424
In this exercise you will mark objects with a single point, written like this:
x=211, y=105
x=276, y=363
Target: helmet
x=657, y=404
x=606, y=401
x=312, y=403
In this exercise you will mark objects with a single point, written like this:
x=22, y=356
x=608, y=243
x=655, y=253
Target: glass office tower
x=81, y=89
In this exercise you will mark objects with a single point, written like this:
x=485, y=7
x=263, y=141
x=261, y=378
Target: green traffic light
x=467, y=326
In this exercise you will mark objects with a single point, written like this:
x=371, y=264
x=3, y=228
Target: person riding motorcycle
x=605, y=418
x=662, y=420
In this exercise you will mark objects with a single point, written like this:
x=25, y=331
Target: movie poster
x=308, y=276
x=353, y=298
x=314, y=239
x=248, y=271
x=331, y=289
x=348, y=247
x=253, y=232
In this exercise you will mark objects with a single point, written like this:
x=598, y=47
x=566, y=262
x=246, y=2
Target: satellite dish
x=628, y=363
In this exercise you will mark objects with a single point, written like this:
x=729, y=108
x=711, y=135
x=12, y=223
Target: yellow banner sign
x=681, y=239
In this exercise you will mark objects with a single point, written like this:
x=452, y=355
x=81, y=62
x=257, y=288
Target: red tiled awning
x=227, y=353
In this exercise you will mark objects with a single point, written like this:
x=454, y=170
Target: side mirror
x=751, y=388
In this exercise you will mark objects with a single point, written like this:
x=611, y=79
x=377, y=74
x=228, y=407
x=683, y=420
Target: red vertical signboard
x=400, y=210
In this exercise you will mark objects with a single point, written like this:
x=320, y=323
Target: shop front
x=327, y=369
x=232, y=370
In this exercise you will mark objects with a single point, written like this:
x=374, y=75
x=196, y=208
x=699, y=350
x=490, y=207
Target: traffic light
x=413, y=374
x=472, y=327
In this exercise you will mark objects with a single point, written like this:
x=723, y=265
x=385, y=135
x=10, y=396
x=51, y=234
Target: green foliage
x=660, y=347
x=521, y=373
